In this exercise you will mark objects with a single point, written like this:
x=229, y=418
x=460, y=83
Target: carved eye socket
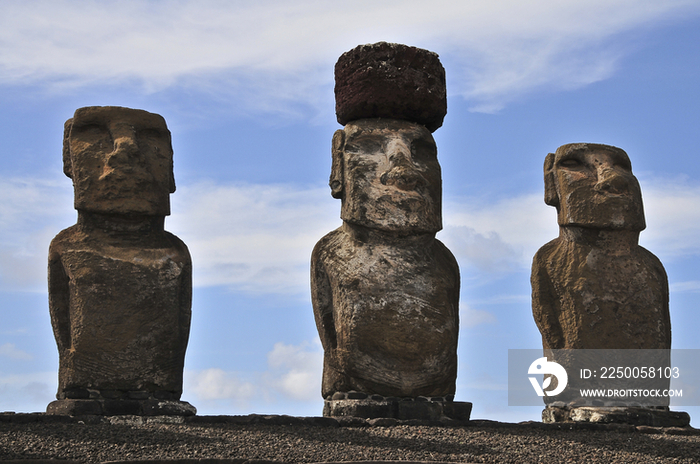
x=92, y=135
x=154, y=140
x=365, y=145
x=570, y=163
x=624, y=164
x=424, y=149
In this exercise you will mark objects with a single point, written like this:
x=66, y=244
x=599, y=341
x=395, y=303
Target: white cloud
x=498, y=237
x=504, y=236
x=297, y=370
x=293, y=372
x=691, y=286
x=32, y=212
x=256, y=238
x=470, y=318
x=269, y=51
x=9, y=350
x=486, y=251
x=217, y=384
x=672, y=210
x=27, y=392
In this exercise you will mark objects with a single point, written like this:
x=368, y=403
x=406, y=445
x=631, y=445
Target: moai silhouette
x=385, y=291
x=594, y=287
x=120, y=286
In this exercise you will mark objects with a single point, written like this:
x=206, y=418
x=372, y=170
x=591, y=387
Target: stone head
x=387, y=175
x=390, y=97
x=592, y=186
x=120, y=161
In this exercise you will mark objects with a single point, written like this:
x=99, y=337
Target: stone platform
x=616, y=415
x=120, y=407
x=356, y=404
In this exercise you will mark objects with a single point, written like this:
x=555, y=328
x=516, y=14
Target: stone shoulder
x=652, y=259
x=63, y=238
x=326, y=246
x=178, y=244
x=443, y=252
x=545, y=254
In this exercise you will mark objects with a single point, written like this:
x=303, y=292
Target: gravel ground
x=292, y=440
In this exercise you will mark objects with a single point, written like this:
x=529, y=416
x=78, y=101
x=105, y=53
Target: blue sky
x=247, y=92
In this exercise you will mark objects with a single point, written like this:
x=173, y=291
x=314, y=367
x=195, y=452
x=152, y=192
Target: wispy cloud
x=470, y=318
x=296, y=370
x=498, y=51
x=253, y=237
x=32, y=212
x=258, y=238
x=9, y=350
x=504, y=236
x=672, y=209
x=691, y=286
x=217, y=384
x=293, y=372
x=498, y=237
x=27, y=392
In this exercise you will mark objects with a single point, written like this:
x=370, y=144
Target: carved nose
x=124, y=149
x=610, y=181
x=398, y=151
x=402, y=177
x=125, y=144
x=403, y=173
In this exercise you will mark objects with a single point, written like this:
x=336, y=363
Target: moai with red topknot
x=385, y=291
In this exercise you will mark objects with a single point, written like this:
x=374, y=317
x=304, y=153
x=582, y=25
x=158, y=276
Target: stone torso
x=588, y=297
x=392, y=324
x=122, y=311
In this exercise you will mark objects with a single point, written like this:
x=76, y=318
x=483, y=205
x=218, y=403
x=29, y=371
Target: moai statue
x=120, y=286
x=385, y=291
x=594, y=287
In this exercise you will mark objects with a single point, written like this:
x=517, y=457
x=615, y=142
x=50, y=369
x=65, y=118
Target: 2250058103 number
x=639, y=372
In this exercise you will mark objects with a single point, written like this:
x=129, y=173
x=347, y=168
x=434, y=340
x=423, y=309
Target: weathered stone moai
x=594, y=287
x=120, y=286
x=385, y=291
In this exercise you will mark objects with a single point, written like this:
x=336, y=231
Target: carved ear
x=551, y=197
x=67, y=164
x=337, y=176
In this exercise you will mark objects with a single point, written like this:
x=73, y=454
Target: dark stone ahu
x=594, y=287
x=120, y=286
x=385, y=291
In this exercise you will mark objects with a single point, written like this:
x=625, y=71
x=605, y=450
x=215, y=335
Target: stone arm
x=545, y=303
x=59, y=298
x=185, y=303
x=185, y=299
x=663, y=279
x=322, y=299
x=450, y=263
x=666, y=309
